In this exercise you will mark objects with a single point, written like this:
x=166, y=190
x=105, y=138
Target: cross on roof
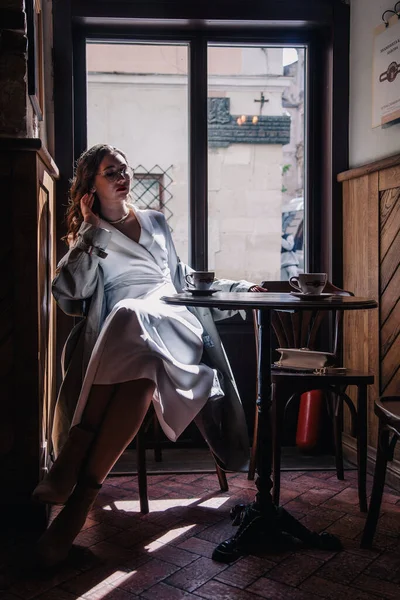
x=262, y=101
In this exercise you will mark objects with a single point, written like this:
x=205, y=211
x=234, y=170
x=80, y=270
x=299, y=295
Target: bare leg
x=119, y=426
x=100, y=396
x=119, y=423
x=59, y=483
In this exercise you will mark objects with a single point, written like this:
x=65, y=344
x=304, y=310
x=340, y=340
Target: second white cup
x=309, y=283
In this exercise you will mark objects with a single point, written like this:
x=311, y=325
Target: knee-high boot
x=57, y=485
x=54, y=545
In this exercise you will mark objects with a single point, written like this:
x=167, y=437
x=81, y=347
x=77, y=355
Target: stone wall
x=17, y=116
x=15, y=120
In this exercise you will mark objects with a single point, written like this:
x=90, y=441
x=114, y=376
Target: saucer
x=195, y=292
x=311, y=296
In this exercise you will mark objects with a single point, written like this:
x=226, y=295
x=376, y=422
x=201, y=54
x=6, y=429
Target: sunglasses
x=115, y=174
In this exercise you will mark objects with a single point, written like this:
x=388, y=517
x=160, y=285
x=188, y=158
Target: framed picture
x=386, y=73
x=35, y=55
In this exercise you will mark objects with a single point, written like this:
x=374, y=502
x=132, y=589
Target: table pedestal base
x=266, y=528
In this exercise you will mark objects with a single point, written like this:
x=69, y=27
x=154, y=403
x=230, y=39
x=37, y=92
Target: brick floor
x=166, y=555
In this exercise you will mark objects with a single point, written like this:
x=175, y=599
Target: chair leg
x=277, y=414
x=362, y=446
x=253, y=455
x=223, y=482
x=142, y=472
x=157, y=443
x=377, y=488
x=337, y=412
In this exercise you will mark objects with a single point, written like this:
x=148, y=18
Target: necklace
x=121, y=220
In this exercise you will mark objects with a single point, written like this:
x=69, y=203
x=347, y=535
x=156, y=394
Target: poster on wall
x=386, y=73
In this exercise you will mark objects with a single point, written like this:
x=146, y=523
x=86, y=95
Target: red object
x=309, y=420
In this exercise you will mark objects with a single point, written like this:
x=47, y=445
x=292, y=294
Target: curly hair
x=86, y=169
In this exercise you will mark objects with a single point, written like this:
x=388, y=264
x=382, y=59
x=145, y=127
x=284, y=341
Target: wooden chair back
x=299, y=329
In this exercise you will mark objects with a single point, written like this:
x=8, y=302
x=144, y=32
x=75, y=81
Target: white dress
x=144, y=338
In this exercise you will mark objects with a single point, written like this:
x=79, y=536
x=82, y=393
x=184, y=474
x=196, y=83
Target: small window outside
x=151, y=189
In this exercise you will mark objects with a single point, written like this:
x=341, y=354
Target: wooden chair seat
x=350, y=377
x=387, y=410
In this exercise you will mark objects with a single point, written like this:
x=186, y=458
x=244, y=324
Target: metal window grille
x=151, y=189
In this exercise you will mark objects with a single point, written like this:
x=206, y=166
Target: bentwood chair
x=151, y=417
x=301, y=329
x=387, y=410
x=141, y=459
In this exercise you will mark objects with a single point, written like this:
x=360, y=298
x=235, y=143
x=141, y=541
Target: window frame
x=283, y=23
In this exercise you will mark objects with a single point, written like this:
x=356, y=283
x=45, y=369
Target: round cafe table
x=261, y=524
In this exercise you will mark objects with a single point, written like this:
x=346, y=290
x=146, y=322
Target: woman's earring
x=93, y=190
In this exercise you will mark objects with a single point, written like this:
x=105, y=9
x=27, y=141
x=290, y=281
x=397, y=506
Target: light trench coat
x=79, y=291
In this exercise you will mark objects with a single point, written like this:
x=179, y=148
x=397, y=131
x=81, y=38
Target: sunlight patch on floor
x=214, y=502
x=106, y=587
x=168, y=537
x=154, y=505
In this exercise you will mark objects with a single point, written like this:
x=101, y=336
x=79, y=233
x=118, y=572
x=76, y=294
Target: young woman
x=130, y=350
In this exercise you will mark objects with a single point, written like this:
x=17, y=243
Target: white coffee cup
x=201, y=280
x=309, y=283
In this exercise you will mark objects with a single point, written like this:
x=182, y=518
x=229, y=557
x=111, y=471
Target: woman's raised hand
x=86, y=203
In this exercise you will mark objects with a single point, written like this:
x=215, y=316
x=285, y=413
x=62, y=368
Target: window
x=138, y=100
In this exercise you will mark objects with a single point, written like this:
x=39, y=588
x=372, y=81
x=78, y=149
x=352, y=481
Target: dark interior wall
x=27, y=176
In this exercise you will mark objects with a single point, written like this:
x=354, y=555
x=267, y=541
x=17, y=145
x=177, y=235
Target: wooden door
x=27, y=388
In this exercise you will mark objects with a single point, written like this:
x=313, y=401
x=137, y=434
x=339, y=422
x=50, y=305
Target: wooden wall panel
x=389, y=218
x=390, y=288
x=360, y=265
x=389, y=178
x=371, y=255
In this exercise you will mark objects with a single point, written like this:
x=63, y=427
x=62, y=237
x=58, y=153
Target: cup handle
x=294, y=282
x=189, y=279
